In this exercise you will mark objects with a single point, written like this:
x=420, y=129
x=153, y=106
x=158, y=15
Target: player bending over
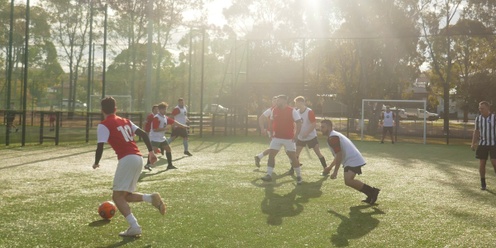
x=346, y=153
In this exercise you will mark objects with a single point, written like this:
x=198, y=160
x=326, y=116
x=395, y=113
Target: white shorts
x=127, y=173
x=288, y=144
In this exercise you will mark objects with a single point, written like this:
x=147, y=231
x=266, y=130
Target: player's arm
x=102, y=134
x=98, y=154
x=475, y=139
x=156, y=124
x=298, y=128
x=262, y=119
x=176, y=123
x=335, y=145
x=143, y=135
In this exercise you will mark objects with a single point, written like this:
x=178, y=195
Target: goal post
x=364, y=101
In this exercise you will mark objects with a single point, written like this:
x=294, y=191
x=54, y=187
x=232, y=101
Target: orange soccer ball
x=107, y=210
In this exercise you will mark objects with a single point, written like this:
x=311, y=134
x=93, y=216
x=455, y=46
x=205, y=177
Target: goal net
x=124, y=102
x=411, y=117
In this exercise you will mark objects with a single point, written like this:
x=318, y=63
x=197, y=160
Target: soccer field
x=430, y=197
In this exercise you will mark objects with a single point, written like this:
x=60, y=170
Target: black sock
x=323, y=162
x=367, y=190
x=483, y=182
x=169, y=158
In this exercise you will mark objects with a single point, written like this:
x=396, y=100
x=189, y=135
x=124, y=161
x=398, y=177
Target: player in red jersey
x=283, y=119
x=157, y=132
x=148, y=124
x=119, y=133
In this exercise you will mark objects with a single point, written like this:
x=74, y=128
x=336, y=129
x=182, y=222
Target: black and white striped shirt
x=487, y=130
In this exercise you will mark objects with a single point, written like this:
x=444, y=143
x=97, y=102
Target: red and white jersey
x=119, y=133
x=180, y=114
x=283, y=121
x=159, y=121
x=308, y=117
x=267, y=113
x=148, y=123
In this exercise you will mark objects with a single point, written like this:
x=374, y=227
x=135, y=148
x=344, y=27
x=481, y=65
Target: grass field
x=430, y=198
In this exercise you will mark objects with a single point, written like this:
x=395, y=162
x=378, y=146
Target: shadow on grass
x=125, y=241
x=357, y=225
x=277, y=206
x=205, y=145
x=98, y=223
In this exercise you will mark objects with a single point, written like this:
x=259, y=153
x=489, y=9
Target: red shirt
x=283, y=122
x=119, y=133
x=148, y=124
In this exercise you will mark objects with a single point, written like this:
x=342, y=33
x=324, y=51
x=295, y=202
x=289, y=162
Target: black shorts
x=310, y=143
x=159, y=144
x=483, y=152
x=357, y=170
x=387, y=129
x=179, y=132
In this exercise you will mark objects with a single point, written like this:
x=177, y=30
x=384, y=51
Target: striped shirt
x=486, y=127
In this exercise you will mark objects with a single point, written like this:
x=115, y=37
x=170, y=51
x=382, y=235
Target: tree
x=70, y=27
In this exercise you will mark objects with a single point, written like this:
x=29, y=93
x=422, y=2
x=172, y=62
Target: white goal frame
x=399, y=101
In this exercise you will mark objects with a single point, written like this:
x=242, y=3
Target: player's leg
x=168, y=155
x=383, y=134
x=274, y=147
x=390, y=130
x=314, y=144
x=260, y=156
x=350, y=181
x=290, y=147
x=125, y=181
x=482, y=153
x=185, y=142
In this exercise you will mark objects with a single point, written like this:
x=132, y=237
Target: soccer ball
x=107, y=210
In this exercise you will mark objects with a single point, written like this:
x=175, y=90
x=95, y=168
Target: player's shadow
x=277, y=206
x=125, y=241
x=98, y=223
x=308, y=190
x=357, y=225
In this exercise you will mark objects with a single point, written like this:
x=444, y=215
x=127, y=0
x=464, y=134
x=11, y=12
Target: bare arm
x=475, y=139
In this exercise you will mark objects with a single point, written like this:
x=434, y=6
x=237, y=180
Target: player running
x=119, y=132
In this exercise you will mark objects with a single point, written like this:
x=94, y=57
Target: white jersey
x=158, y=136
x=180, y=114
x=308, y=117
x=267, y=113
x=388, y=119
x=351, y=155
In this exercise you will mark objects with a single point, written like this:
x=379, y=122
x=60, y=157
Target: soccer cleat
x=266, y=178
x=257, y=161
x=373, y=195
x=171, y=167
x=131, y=232
x=158, y=203
x=367, y=200
x=148, y=167
x=483, y=187
x=188, y=153
x=324, y=174
x=299, y=180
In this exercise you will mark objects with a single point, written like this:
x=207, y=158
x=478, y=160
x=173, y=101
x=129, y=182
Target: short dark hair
x=327, y=122
x=163, y=105
x=108, y=105
x=485, y=103
x=154, y=106
x=180, y=99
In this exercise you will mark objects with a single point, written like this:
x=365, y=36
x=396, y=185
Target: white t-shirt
x=162, y=122
x=308, y=117
x=388, y=119
x=351, y=155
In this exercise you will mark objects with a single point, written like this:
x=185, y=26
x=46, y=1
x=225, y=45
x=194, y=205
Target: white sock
x=133, y=222
x=260, y=156
x=270, y=170
x=298, y=171
x=147, y=198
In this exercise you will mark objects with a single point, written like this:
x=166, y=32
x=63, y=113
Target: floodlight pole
x=9, y=68
x=88, y=89
x=149, y=56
